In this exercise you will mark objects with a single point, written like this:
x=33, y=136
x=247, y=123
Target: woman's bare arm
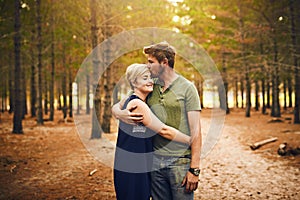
x=152, y=122
x=126, y=115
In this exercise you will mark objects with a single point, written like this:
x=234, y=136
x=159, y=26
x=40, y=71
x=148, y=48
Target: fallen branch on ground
x=93, y=172
x=263, y=142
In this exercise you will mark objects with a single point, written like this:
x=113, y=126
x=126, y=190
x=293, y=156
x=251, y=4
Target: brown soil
x=51, y=162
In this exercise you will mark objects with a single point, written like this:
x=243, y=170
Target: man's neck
x=168, y=77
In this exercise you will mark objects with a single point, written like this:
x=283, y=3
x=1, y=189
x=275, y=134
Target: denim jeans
x=166, y=178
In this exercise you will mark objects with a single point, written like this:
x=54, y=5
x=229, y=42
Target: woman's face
x=144, y=83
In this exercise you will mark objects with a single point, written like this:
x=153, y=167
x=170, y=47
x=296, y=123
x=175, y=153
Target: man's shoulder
x=184, y=81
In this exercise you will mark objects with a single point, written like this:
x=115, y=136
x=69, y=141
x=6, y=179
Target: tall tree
x=33, y=92
x=18, y=112
x=295, y=58
x=40, y=119
x=51, y=87
x=107, y=73
x=96, y=114
x=244, y=63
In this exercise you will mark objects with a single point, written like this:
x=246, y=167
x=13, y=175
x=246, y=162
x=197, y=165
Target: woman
x=133, y=157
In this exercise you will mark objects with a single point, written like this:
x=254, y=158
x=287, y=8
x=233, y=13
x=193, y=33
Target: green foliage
x=214, y=24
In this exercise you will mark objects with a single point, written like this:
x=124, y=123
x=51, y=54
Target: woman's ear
x=133, y=84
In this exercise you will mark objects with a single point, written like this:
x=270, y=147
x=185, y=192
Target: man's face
x=154, y=66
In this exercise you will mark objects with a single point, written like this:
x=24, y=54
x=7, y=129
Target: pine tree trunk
x=242, y=92
x=70, y=93
x=87, y=99
x=24, y=91
x=64, y=83
x=96, y=129
x=64, y=94
x=297, y=75
x=11, y=87
x=107, y=89
x=256, y=95
x=263, y=92
x=46, y=95
x=78, y=97
x=40, y=119
x=59, y=97
x=268, y=92
x=290, y=92
x=32, y=78
x=275, y=83
x=226, y=108
x=244, y=64
x=17, y=120
x=236, y=93
x=51, y=87
x=248, y=95
x=263, y=110
x=4, y=96
x=284, y=94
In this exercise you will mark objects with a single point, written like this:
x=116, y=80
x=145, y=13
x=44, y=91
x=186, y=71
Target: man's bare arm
x=190, y=180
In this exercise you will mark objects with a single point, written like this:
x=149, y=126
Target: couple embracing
x=159, y=138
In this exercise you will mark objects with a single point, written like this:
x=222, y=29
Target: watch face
x=196, y=172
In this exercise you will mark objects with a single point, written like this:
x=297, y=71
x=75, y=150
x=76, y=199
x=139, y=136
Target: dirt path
x=50, y=162
x=233, y=171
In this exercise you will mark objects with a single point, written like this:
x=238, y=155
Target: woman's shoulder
x=138, y=102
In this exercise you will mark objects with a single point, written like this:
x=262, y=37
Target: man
x=175, y=101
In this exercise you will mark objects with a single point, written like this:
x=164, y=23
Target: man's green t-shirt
x=171, y=107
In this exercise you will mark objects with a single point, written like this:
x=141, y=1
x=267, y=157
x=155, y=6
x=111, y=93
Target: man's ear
x=165, y=61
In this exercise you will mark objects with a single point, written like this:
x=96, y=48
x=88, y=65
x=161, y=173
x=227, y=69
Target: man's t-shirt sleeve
x=192, y=99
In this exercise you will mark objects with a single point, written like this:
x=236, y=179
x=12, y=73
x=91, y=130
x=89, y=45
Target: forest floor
x=53, y=162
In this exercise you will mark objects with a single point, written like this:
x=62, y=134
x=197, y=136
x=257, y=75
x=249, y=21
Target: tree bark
x=263, y=90
x=297, y=75
x=11, y=87
x=236, y=93
x=242, y=92
x=87, y=99
x=51, y=87
x=107, y=94
x=290, y=92
x=17, y=119
x=268, y=105
x=256, y=95
x=40, y=119
x=70, y=92
x=64, y=83
x=32, y=78
x=284, y=94
x=275, y=82
x=244, y=64
x=78, y=97
x=24, y=91
x=46, y=94
x=96, y=129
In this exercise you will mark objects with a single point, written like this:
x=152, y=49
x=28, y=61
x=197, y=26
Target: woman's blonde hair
x=133, y=71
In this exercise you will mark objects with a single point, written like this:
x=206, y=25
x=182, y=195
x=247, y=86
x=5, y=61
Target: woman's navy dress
x=133, y=161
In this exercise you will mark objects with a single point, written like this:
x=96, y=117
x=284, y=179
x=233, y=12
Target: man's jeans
x=166, y=178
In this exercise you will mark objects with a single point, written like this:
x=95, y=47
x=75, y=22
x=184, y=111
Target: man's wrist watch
x=195, y=171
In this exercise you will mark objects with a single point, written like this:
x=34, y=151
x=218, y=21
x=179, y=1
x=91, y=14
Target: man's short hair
x=161, y=51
